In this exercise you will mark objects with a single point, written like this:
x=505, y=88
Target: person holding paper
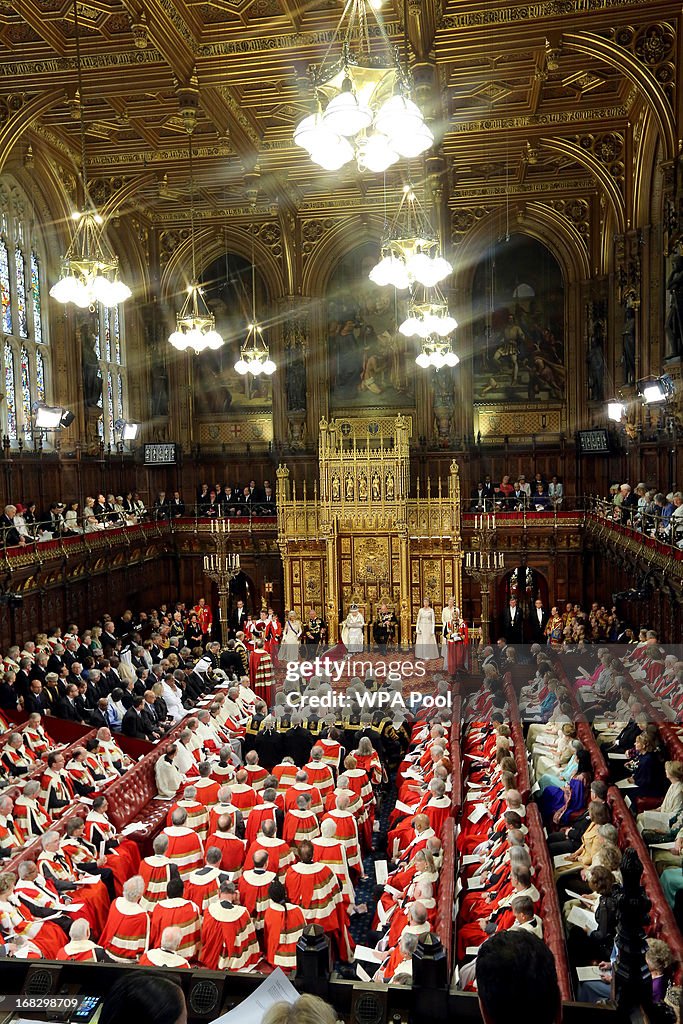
x=585, y=942
x=655, y=824
x=645, y=769
x=399, y=961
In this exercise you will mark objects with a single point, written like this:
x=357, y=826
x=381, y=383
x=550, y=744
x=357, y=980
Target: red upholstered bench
x=34, y=849
x=132, y=797
x=662, y=922
x=444, y=909
x=544, y=880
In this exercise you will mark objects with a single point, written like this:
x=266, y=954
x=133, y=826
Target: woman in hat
x=425, y=640
x=353, y=630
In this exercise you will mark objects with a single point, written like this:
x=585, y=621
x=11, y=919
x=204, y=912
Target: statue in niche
x=376, y=487
x=389, y=487
x=362, y=488
x=92, y=376
x=596, y=370
x=349, y=488
x=295, y=380
x=336, y=490
x=674, y=320
x=628, y=342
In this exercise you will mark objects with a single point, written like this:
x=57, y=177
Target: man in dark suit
x=150, y=716
x=98, y=717
x=133, y=724
x=478, y=497
x=39, y=670
x=539, y=620
x=22, y=680
x=512, y=622
x=238, y=617
x=34, y=701
x=230, y=661
x=56, y=660
x=66, y=706
x=177, y=505
x=298, y=742
x=489, y=489
x=9, y=535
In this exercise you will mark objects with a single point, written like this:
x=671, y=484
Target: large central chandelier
x=363, y=105
x=89, y=270
x=254, y=353
x=195, y=323
x=411, y=251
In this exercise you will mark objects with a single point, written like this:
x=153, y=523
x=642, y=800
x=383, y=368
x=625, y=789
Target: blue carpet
x=362, y=923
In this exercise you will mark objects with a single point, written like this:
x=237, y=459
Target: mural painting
x=218, y=388
x=370, y=363
x=518, y=324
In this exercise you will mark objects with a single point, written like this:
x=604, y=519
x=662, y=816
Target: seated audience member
x=305, y=1010
x=154, y=1000
x=166, y=953
x=515, y=967
x=126, y=934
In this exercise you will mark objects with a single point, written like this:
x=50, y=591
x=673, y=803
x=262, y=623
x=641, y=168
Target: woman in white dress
x=291, y=635
x=353, y=630
x=425, y=641
x=449, y=614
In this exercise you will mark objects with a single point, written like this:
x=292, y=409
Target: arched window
x=24, y=348
x=109, y=349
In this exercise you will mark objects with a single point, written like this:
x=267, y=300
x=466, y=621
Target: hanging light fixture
x=195, y=323
x=436, y=352
x=428, y=317
x=89, y=269
x=363, y=106
x=254, y=353
x=410, y=252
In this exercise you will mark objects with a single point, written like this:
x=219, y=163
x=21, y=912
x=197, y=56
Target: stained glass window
x=26, y=400
x=107, y=337
x=98, y=346
x=5, y=294
x=40, y=376
x=35, y=293
x=25, y=359
x=10, y=394
x=111, y=358
x=110, y=406
x=20, y=267
x=117, y=335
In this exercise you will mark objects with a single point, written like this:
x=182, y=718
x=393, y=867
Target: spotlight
x=656, y=389
x=48, y=418
x=128, y=431
x=615, y=411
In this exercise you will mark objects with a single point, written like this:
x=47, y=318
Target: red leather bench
x=662, y=921
x=444, y=908
x=523, y=779
x=34, y=849
x=544, y=880
x=456, y=758
x=131, y=798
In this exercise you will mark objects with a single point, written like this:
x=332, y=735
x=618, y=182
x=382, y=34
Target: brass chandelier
x=363, y=105
x=89, y=271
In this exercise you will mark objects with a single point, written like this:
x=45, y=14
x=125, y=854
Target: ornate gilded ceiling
x=541, y=100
